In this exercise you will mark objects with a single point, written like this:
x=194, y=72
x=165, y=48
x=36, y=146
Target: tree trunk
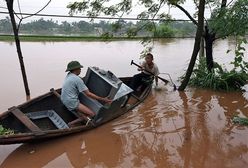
x=196, y=49
x=209, y=40
x=18, y=46
x=202, y=48
x=210, y=37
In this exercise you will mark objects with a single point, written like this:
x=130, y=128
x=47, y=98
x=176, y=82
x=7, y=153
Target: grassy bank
x=51, y=38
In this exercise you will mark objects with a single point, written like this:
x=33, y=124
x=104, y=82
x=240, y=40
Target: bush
x=218, y=79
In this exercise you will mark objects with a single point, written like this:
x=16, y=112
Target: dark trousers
x=139, y=80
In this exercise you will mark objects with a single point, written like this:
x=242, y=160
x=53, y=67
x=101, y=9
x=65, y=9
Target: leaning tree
x=16, y=27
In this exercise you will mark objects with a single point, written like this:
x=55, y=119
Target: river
x=170, y=129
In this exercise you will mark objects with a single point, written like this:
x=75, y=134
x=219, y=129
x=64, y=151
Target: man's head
x=74, y=67
x=149, y=58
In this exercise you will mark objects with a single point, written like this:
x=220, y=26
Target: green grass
x=40, y=38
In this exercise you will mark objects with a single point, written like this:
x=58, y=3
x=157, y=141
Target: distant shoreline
x=38, y=38
x=58, y=38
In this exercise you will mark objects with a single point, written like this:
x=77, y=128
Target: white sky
x=59, y=7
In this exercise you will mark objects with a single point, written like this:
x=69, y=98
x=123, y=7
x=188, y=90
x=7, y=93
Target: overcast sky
x=59, y=7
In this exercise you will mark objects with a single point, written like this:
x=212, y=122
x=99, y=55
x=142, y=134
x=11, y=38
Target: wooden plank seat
x=25, y=120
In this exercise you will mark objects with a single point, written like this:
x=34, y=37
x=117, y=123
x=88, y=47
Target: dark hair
x=150, y=55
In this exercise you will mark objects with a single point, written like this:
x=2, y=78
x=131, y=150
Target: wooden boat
x=46, y=117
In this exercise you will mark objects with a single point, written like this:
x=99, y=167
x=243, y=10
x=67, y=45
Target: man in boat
x=72, y=87
x=145, y=77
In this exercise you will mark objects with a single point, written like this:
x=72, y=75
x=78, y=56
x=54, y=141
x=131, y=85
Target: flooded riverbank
x=170, y=129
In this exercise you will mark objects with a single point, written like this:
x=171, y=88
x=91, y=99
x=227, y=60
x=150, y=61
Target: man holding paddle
x=149, y=70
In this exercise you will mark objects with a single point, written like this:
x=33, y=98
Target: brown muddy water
x=170, y=129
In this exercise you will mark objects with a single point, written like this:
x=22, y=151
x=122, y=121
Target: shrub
x=218, y=79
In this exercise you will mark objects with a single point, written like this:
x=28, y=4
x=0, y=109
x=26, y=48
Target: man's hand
x=106, y=100
x=141, y=68
x=93, y=96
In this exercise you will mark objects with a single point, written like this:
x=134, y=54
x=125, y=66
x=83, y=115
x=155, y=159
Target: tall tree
x=225, y=21
x=196, y=49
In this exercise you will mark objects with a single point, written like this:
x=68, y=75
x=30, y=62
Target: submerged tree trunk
x=196, y=49
x=209, y=40
x=18, y=46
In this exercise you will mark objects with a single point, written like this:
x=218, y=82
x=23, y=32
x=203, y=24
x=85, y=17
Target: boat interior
x=48, y=113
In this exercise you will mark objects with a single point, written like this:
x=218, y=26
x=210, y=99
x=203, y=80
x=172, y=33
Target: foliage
x=240, y=120
x=39, y=25
x=4, y=131
x=239, y=61
x=164, y=30
x=61, y=38
x=231, y=20
x=96, y=7
x=106, y=35
x=132, y=31
x=152, y=10
x=226, y=19
x=104, y=29
x=147, y=27
x=183, y=29
x=5, y=25
x=218, y=79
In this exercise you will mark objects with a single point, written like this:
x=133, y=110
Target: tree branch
x=196, y=45
x=229, y=3
x=187, y=13
x=19, y=6
x=38, y=10
x=223, y=4
x=13, y=11
x=20, y=19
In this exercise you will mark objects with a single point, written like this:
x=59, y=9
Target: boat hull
x=24, y=133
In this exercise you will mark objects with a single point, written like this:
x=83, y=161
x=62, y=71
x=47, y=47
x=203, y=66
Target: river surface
x=191, y=129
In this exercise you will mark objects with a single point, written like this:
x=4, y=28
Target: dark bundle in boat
x=46, y=117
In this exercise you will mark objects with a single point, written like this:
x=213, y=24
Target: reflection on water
x=185, y=129
x=89, y=149
x=170, y=129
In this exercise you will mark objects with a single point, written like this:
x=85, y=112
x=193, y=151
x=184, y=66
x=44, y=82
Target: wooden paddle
x=162, y=79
